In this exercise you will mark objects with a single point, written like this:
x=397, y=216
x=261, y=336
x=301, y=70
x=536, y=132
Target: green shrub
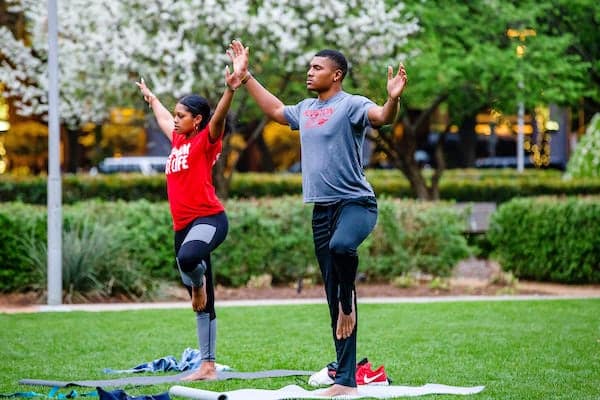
x=19, y=223
x=548, y=238
x=416, y=236
x=468, y=185
x=267, y=236
x=98, y=244
x=87, y=252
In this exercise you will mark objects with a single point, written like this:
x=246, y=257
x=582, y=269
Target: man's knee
x=342, y=248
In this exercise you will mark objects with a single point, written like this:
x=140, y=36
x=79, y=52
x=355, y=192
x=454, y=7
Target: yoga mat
x=296, y=392
x=158, y=379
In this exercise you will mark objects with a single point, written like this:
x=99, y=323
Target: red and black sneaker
x=332, y=369
x=365, y=376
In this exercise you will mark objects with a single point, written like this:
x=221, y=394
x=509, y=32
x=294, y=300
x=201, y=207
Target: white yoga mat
x=296, y=392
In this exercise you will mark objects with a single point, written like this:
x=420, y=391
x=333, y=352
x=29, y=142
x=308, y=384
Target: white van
x=144, y=165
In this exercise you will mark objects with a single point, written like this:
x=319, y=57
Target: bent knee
x=341, y=248
x=189, y=262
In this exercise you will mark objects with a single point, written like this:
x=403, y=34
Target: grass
x=517, y=349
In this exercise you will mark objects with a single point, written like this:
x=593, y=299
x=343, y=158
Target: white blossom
x=585, y=160
x=178, y=46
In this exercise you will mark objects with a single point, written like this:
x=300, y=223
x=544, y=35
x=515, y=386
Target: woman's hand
x=148, y=95
x=233, y=81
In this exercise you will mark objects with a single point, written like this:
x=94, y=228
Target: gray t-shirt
x=331, y=138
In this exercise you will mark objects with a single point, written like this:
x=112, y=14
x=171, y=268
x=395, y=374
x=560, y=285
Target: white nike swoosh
x=371, y=379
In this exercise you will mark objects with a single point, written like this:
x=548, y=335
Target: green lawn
x=517, y=349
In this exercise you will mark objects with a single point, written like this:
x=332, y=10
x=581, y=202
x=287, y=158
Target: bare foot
x=206, y=372
x=339, y=390
x=199, y=296
x=345, y=323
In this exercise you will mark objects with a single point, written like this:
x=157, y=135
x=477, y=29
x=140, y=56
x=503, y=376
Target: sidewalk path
x=98, y=307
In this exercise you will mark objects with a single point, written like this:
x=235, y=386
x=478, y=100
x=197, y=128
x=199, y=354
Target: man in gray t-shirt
x=332, y=130
x=331, y=137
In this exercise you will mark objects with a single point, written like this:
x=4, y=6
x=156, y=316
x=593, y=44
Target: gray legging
x=193, y=246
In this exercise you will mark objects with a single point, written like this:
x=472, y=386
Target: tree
x=579, y=20
x=90, y=78
x=179, y=47
x=463, y=60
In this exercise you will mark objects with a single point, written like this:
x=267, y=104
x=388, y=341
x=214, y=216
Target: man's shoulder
x=358, y=98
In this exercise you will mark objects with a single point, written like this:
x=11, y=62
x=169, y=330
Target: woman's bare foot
x=206, y=372
x=199, y=296
x=345, y=323
x=339, y=390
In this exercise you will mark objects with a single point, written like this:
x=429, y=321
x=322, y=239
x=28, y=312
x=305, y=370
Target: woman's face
x=185, y=123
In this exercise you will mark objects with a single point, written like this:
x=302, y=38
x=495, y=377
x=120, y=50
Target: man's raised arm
x=268, y=103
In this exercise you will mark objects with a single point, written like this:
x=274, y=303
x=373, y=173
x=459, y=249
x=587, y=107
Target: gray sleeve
x=358, y=109
x=292, y=114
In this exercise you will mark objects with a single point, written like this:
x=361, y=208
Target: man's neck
x=329, y=93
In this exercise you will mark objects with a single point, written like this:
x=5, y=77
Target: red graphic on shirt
x=316, y=118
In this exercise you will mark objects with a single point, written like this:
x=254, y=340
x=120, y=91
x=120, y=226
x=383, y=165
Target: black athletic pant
x=338, y=230
x=193, y=245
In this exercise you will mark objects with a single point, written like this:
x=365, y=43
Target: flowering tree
x=585, y=161
x=179, y=47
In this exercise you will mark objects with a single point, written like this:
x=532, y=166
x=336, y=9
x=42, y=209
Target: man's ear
x=337, y=76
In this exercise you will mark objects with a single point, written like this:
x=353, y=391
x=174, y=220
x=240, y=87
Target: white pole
x=54, y=181
x=520, y=140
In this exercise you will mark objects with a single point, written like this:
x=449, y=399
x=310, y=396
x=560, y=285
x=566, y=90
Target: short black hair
x=337, y=57
x=197, y=105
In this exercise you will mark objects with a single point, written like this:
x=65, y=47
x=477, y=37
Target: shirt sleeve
x=358, y=110
x=292, y=114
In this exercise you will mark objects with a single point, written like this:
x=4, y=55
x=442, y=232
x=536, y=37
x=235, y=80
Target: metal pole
x=54, y=180
x=520, y=140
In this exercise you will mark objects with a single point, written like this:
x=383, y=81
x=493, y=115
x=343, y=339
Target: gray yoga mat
x=158, y=379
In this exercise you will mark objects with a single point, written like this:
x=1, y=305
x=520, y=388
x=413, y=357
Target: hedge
x=266, y=236
x=548, y=238
x=456, y=185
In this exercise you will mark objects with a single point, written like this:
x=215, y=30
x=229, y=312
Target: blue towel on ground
x=190, y=360
x=121, y=395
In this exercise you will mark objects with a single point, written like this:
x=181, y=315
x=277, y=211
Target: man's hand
x=397, y=83
x=239, y=56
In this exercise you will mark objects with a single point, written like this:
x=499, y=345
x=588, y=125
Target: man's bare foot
x=345, y=323
x=206, y=372
x=339, y=390
x=199, y=296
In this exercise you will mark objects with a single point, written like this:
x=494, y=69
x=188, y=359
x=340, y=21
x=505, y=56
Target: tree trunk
x=440, y=166
x=73, y=150
x=468, y=142
x=400, y=149
x=221, y=178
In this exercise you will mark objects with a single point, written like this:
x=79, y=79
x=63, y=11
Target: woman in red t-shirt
x=199, y=218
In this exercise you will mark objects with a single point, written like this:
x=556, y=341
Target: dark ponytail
x=197, y=105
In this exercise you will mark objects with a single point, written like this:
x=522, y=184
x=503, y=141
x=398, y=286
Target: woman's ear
x=197, y=121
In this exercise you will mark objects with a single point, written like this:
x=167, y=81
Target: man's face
x=321, y=74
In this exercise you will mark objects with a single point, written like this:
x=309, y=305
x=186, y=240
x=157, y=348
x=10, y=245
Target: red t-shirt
x=189, y=178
